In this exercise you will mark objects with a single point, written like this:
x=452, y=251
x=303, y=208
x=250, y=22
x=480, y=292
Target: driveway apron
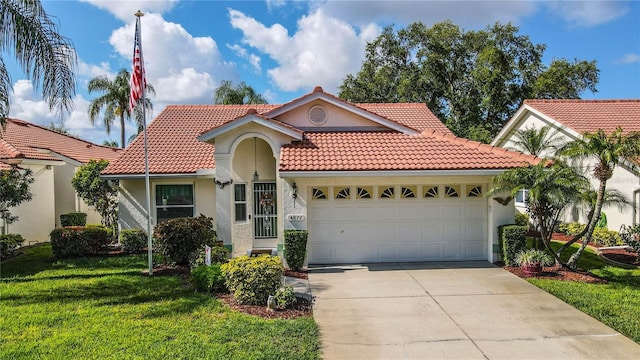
x=451, y=310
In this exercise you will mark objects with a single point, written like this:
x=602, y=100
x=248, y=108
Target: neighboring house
x=370, y=182
x=569, y=119
x=53, y=158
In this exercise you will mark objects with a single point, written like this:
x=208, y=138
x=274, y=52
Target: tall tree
x=14, y=190
x=100, y=193
x=608, y=150
x=242, y=93
x=47, y=57
x=473, y=80
x=115, y=101
x=551, y=190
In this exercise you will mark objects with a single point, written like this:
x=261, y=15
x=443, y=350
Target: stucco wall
x=336, y=117
x=623, y=179
x=132, y=202
x=37, y=217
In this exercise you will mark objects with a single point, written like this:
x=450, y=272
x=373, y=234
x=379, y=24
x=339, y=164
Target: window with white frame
x=522, y=197
x=174, y=201
x=240, y=201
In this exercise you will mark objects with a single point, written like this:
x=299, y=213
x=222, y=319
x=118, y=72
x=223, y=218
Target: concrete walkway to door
x=451, y=310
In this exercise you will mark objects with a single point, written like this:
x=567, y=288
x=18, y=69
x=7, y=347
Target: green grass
x=103, y=308
x=617, y=303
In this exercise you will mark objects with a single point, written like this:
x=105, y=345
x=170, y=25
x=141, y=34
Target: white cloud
x=182, y=68
x=93, y=70
x=125, y=10
x=629, y=59
x=468, y=14
x=588, y=13
x=254, y=60
x=321, y=52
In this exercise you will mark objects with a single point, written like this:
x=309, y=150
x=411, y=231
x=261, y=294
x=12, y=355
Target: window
x=522, y=197
x=319, y=193
x=364, y=192
x=173, y=201
x=431, y=192
x=452, y=191
x=474, y=191
x=408, y=192
x=343, y=193
x=386, y=193
x=240, y=201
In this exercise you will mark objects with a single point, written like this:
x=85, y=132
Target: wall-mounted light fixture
x=294, y=191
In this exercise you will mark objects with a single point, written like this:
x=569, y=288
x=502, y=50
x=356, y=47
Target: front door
x=265, y=217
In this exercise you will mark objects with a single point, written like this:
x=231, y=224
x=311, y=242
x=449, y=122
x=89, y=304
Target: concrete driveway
x=451, y=310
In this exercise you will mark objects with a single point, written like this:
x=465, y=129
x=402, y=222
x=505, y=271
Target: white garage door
x=389, y=230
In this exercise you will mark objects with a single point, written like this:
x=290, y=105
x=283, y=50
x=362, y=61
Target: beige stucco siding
x=132, y=202
x=336, y=117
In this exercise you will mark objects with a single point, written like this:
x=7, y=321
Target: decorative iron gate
x=265, y=217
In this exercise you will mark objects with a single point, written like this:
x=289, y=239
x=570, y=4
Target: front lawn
x=617, y=303
x=103, y=308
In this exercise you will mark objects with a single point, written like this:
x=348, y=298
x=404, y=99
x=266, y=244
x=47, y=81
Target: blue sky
x=285, y=48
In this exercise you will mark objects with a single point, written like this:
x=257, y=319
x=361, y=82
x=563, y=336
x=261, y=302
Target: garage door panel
x=389, y=230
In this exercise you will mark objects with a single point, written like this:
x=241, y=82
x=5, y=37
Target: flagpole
x=139, y=14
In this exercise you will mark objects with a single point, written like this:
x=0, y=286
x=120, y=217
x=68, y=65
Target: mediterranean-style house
x=370, y=182
x=568, y=120
x=54, y=158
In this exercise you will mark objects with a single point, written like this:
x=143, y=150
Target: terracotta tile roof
x=172, y=140
x=414, y=115
x=379, y=150
x=21, y=139
x=591, y=115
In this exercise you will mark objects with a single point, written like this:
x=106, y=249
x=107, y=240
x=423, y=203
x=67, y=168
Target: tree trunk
x=573, y=260
x=122, y=143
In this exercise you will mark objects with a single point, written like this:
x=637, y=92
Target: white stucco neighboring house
x=370, y=182
x=568, y=120
x=54, y=158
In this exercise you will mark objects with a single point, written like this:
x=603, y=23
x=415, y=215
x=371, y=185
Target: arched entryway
x=255, y=193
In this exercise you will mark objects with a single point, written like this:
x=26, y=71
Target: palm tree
x=608, y=151
x=115, y=101
x=242, y=93
x=46, y=56
x=534, y=141
x=551, y=189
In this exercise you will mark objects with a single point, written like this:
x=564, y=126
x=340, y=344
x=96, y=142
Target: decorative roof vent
x=318, y=115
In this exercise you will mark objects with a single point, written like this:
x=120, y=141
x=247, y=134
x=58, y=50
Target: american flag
x=138, y=80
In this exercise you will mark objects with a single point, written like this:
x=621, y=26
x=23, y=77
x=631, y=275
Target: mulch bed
x=622, y=256
x=301, y=308
x=296, y=274
x=559, y=273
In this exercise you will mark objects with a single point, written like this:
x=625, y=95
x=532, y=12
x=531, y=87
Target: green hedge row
x=133, y=240
x=9, y=243
x=513, y=239
x=295, y=248
x=73, y=219
x=75, y=241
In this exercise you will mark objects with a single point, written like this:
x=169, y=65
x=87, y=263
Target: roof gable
x=251, y=116
x=24, y=140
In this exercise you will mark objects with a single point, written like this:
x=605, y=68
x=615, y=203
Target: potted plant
x=532, y=260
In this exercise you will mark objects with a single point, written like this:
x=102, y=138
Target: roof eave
x=210, y=135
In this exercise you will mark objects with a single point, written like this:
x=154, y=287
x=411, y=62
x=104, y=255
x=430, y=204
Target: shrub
x=534, y=256
x=74, y=241
x=133, y=240
x=253, y=279
x=601, y=236
x=73, y=219
x=208, y=278
x=219, y=254
x=180, y=239
x=513, y=240
x=295, y=248
x=9, y=243
x=630, y=235
x=522, y=219
x=285, y=297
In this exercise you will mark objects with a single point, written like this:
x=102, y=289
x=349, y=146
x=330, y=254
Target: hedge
x=75, y=241
x=9, y=243
x=133, y=240
x=295, y=248
x=253, y=279
x=181, y=239
x=513, y=240
x=73, y=219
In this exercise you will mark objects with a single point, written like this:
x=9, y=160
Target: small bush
x=513, y=240
x=219, y=254
x=522, y=219
x=630, y=235
x=285, y=297
x=9, y=243
x=181, y=239
x=74, y=241
x=534, y=256
x=601, y=236
x=295, y=248
x=208, y=278
x=253, y=279
x=133, y=240
x=73, y=219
